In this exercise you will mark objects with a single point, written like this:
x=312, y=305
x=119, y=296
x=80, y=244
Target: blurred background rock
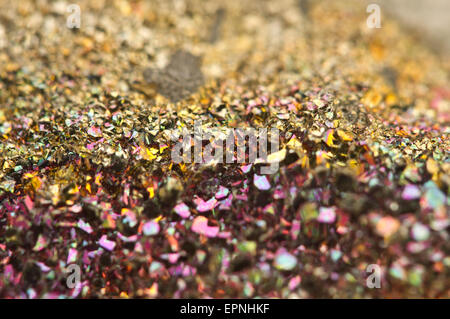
x=429, y=19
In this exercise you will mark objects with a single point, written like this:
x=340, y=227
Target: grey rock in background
x=429, y=18
x=180, y=78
